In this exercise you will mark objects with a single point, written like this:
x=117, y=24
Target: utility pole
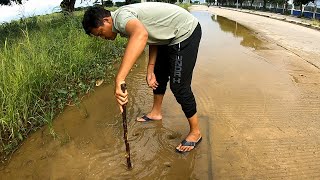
x=237, y=4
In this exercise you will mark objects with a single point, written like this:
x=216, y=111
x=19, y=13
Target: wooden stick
x=125, y=129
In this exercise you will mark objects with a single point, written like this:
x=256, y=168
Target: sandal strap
x=145, y=117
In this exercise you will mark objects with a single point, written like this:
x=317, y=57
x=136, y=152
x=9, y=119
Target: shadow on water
x=239, y=31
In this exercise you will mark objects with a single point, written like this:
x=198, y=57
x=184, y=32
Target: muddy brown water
x=259, y=114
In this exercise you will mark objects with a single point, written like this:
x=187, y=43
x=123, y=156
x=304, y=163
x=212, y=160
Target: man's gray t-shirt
x=167, y=24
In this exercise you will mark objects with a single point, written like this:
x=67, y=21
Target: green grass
x=185, y=6
x=47, y=62
x=316, y=22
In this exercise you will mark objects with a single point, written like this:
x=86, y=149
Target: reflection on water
x=238, y=30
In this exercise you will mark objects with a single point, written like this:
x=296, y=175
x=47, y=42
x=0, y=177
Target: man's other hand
x=152, y=81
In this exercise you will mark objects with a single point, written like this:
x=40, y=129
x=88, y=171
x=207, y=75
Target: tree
x=265, y=4
x=221, y=2
x=251, y=3
x=128, y=2
x=8, y=2
x=285, y=9
x=239, y=1
x=276, y=2
x=67, y=5
x=300, y=3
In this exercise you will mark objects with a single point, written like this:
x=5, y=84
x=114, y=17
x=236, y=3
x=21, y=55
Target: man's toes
x=184, y=148
x=181, y=148
x=190, y=148
x=140, y=119
x=178, y=147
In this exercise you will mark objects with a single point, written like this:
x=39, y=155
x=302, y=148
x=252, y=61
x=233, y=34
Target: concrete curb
x=305, y=24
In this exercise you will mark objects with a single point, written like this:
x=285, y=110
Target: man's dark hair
x=93, y=18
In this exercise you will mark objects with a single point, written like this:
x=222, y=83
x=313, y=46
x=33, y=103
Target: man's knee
x=185, y=98
x=176, y=88
x=180, y=92
x=160, y=90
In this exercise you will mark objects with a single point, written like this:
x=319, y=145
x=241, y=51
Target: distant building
x=317, y=2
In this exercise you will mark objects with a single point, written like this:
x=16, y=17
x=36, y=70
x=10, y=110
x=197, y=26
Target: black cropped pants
x=176, y=62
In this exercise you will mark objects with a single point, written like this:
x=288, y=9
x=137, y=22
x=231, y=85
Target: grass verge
x=315, y=22
x=185, y=6
x=47, y=62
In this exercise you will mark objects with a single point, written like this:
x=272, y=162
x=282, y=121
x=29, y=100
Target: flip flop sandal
x=189, y=143
x=146, y=119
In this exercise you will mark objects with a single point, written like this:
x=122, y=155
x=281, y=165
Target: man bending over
x=173, y=36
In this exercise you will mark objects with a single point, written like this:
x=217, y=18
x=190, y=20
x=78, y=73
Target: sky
x=33, y=7
x=40, y=7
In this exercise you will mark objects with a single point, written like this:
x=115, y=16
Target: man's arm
x=153, y=51
x=138, y=37
x=151, y=78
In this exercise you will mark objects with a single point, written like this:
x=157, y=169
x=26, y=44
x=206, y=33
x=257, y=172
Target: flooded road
x=259, y=111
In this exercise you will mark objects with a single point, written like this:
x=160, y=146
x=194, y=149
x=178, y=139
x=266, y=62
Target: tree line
x=66, y=5
x=69, y=4
x=282, y=2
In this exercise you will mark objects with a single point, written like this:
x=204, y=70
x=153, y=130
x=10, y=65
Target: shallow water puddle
x=235, y=88
x=92, y=146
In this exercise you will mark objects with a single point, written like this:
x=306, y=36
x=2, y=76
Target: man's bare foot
x=149, y=117
x=190, y=142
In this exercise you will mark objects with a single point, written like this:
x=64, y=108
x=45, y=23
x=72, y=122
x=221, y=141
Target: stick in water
x=125, y=129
